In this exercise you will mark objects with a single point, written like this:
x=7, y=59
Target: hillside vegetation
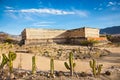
x=110, y=30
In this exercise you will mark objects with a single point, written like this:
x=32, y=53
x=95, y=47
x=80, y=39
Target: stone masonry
x=74, y=36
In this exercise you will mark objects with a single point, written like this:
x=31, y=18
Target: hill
x=8, y=37
x=110, y=30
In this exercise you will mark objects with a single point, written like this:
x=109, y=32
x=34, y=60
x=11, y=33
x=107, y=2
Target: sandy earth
x=81, y=65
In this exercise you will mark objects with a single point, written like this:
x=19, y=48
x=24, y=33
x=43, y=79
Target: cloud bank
x=48, y=11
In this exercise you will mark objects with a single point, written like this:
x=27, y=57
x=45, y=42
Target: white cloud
x=8, y=7
x=12, y=15
x=50, y=11
x=43, y=23
x=43, y=11
x=99, y=9
x=10, y=10
x=111, y=4
x=19, y=16
x=81, y=13
x=33, y=14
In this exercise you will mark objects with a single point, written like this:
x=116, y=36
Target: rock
x=83, y=74
x=60, y=73
x=23, y=74
x=42, y=73
x=108, y=73
x=12, y=76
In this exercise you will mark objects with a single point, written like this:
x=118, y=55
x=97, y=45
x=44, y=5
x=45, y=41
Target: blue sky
x=15, y=15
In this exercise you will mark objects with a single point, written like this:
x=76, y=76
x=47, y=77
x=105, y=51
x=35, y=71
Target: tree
x=89, y=43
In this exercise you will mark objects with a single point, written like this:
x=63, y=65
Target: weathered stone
x=46, y=36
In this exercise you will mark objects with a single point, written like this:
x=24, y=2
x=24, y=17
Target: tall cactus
x=33, y=65
x=96, y=69
x=93, y=66
x=71, y=64
x=11, y=57
x=52, y=67
x=8, y=60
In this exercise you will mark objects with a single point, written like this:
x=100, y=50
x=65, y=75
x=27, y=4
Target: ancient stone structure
x=37, y=36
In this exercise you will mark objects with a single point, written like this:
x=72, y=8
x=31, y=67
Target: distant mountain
x=110, y=30
x=14, y=37
x=3, y=32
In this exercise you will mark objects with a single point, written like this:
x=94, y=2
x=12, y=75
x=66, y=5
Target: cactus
x=71, y=64
x=11, y=57
x=33, y=65
x=1, y=49
x=96, y=69
x=99, y=69
x=8, y=60
x=4, y=61
x=52, y=67
x=93, y=66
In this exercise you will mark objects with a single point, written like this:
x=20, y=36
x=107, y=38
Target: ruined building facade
x=38, y=36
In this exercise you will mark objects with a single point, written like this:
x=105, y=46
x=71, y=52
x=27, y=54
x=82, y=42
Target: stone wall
x=44, y=33
x=91, y=32
x=36, y=36
x=76, y=33
x=74, y=36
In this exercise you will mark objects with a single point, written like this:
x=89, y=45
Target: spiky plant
x=4, y=61
x=8, y=60
x=52, y=67
x=1, y=48
x=11, y=57
x=71, y=64
x=33, y=64
x=96, y=69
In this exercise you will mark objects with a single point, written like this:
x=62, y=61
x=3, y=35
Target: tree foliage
x=89, y=43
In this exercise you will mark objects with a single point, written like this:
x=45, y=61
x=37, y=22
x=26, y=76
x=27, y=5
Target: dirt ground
x=81, y=65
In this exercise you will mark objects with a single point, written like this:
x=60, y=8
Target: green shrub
x=89, y=44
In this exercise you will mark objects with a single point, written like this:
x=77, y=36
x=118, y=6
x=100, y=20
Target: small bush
x=89, y=43
x=113, y=39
